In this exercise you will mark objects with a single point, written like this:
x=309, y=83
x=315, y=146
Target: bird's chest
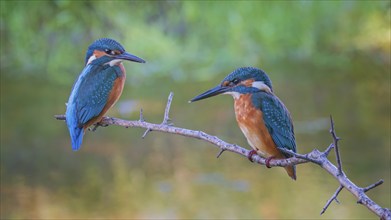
x=250, y=121
x=244, y=110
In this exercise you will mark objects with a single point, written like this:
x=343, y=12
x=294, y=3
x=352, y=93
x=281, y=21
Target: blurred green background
x=324, y=57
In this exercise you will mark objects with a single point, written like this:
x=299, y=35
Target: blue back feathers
x=277, y=120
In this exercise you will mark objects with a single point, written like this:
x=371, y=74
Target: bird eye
x=110, y=52
x=231, y=83
x=235, y=81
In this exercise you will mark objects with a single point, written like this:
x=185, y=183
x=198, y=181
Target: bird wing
x=92, y=91
x=277, y=120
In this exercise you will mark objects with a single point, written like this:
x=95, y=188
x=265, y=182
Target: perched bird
x=97, y=88
x=262, y=117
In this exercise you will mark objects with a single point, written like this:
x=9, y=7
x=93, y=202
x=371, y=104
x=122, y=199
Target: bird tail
x=76, y=134
x=75, y=131
x=291, y=170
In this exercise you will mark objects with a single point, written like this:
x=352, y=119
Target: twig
x=334, y=197
x=143, y=120
x=166, y=118
x=328, y=150
x=314, y=156
x=304, y=157
x=141, y=115
x=336, y=139
x=220, y=153
x=146, y=132
x=373, y=185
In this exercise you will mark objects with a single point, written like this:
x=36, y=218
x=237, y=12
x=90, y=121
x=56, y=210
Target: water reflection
x=127, y=107
x=219, y=180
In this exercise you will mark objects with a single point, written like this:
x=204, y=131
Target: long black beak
x=211, y=92
x=130, y=57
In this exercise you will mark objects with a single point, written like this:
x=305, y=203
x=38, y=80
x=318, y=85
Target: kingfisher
x=262, y=117
x=97, y=88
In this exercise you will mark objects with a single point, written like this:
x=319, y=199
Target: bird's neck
x=121, y=66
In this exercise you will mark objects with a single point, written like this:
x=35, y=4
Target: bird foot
x=250, y=154
x=96, y=125
x=267, y=161
x=93, y=129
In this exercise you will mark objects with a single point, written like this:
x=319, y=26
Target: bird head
x=241, y=81
x=108, y=51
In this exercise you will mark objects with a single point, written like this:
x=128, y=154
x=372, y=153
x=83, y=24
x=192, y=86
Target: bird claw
x=93, y=129
x=96, y=125
x=267, y=161
x=250, y=154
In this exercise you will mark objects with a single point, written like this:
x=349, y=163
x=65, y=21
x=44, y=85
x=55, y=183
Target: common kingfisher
x=98, y=86
x=263, y=118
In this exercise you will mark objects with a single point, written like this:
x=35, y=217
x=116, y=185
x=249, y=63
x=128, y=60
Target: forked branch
x=315, y=156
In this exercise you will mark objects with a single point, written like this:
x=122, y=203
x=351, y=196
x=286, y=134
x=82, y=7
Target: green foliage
x=176, y=37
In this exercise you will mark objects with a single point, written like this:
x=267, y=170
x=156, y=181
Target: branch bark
x=315, y=156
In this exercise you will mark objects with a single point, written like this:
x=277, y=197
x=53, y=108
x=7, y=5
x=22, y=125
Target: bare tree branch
x=315, y=156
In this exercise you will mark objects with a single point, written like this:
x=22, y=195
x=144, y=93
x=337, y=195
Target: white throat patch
x=92, y=58
x=114, y=62
x=235, y=95
x=261, y=86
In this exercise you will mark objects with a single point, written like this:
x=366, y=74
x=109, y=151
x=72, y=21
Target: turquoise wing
x=277, y=120
x=92, y=91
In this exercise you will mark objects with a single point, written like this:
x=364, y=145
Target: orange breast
x=250, y=121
